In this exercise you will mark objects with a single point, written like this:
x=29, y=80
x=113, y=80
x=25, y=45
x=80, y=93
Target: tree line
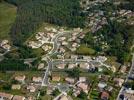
x=32, y=13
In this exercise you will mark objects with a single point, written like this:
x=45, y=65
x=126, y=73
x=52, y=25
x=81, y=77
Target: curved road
x=47, y=57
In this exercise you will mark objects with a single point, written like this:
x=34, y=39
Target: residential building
x=5, y=96
x=70, y=80
x=83, y=86
x=55, y=78
x=37, y=79
x=82, y=79
x=118, y=81
x=104, y=95
x=20, y=78
x=16, y=87
x=17, y=97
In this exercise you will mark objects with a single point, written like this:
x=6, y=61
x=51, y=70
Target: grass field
x=7, y=17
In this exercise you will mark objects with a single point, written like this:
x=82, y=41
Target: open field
x=7, y=17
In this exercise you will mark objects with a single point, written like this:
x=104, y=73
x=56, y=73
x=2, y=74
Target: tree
x=74, y=73
x=55, y=92
x=42, y=92
x=6, y=87
x=32, y=13
x=82, y=95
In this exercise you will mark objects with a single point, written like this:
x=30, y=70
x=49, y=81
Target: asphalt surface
x=45, y=79
x=49, y=61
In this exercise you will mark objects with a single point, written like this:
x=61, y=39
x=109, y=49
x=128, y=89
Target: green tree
x=6, y=87
x=74, y=73
x=56, y=92
x=82, y=95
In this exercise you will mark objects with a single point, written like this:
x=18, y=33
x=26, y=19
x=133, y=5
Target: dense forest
x=13, y=65
x=32, y=13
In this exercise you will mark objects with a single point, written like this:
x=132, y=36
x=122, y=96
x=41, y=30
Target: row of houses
x=7, y=96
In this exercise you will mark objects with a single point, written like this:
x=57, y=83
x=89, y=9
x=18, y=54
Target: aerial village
x=62, y=74
x=67, y=74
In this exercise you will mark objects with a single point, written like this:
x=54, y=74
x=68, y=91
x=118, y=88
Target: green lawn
x=84, y=50
x=7, y=17
x=47, y=97
x=5, y=76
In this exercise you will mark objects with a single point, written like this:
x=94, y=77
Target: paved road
x=56, y=43
x=122, y=90
x=49, y=67
x=49, y=61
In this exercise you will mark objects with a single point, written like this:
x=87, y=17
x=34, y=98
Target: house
x=41, y=34
x=6, y=46
x=74, y=45
x=31, y=98
x=101, y=58
x=60, y=66
x=75, y=33
x=34, y=45
x=70, y=80
x=61, y=29
x=84, y=65
x=61, y=50
x=64, y=43
x=41, y=66
x=46, y=47
x=73, y=38
x=104, y=95
x=37, y=37
x=83, y=86
x=31, y=88
x=63, y=97
x=118, y=81
x=16, y=87
x=5, y=96
x=17, y=97
x=82, y=79
x=74, y=56
x=73, y=49
x=71, y=66
x=102, y=85
x=20, y=78
x=109, y=88
x=128, y=96
x=50, y=90
x=77, y=30
x=4, y=42
x=37, y=79
x=55, y=78
x=130, y=91
x=76, y=92
x=104, y=78
x=113, y=69
x=62, y=38
x=51, y=34
x=123, y=69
